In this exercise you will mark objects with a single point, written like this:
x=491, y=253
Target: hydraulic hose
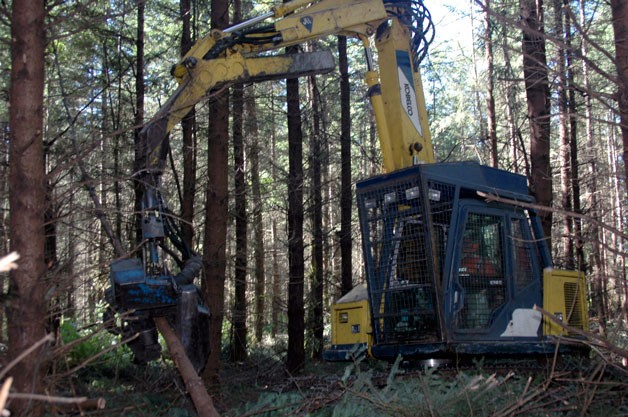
x=190, y=270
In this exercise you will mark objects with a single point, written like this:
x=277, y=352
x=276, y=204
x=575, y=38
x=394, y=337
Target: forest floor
x=261, y=387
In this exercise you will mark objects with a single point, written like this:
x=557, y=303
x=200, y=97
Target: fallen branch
x=89, y=404
x=70, y=403
x=600, y=341
x=193, y=383
x=47, y=398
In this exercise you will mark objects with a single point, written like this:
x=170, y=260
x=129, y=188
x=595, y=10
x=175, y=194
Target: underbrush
x=91, y=364
x=362, y=391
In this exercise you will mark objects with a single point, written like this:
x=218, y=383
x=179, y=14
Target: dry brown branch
x=591, y=337
x=89, y=404
x=47, y=398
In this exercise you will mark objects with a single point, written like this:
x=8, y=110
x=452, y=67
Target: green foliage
x=87, y=345
x=273, y=404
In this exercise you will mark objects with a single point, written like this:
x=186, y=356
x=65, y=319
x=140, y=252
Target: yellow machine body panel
x=350, y=324
x=564, y=296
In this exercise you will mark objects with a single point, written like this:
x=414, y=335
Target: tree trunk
x=4, y=210
x=345, y=170
x=296, y=319
x=538, y=99
x=139, y=119
x=238, y=345
x=216, y=216
x=619, y=10
x=563, y=131
x=26, y=309
x=597, y=270
x=490, y=84
x=573, y=141
x=620, y=27
x=482, y=136
x=315, y=326
x=189, y=140
x=617, y=278
x=276, y=287
x=258, y=221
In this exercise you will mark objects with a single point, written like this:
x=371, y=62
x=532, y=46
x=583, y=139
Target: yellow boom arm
x=240, y=54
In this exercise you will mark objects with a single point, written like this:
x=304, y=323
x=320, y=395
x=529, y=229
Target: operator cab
x=448, y=272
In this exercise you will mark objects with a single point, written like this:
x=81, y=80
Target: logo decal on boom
x=307, y=21
x=406, y=89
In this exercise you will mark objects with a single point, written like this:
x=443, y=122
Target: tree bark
x=619, y=10
x=296, y=313
x=276, y=286
x=597, y=270
x=215, y=235
x=4, y=210
x=188, y=125
x=345, y=169
x=138, y=120
x=573, y=141
x=538, y=100
x=315, y=326
x=26, y=308
x=490, y=86
x=258, y=220
x=565, y=138
x=238, y=345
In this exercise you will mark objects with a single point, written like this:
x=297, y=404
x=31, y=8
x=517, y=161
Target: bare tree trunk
x=345, y=170
x=276, y=287
x=597, y=271
x=250, y=124
x=238, y=345
x=114, y=118
x=619, y=9
x=481, y=121
x=538, y=98
x=315, y=322
x=618, y=277
x=26, y=308
x=620, y=27
x=573, y=133
x=490, y=84
x=296, y=313
x=4, y=208
x=139, y=118
x=189, y=140
x=216, y=216
x=565, y=138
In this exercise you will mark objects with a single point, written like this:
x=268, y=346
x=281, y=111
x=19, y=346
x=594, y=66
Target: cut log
x=193, y=383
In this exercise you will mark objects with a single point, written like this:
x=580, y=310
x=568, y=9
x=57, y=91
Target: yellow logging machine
x=447, y=273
